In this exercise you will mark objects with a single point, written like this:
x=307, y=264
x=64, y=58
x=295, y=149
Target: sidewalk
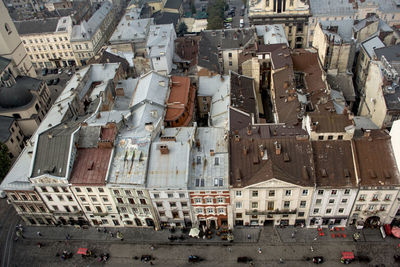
x=135, y=235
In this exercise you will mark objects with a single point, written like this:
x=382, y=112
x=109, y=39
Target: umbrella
x=82, y=251
x=194, y=232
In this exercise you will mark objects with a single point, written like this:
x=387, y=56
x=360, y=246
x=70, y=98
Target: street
x=8, y=221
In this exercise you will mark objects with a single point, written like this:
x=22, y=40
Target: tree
x=216, y=15
x=5, y=161
x=182, y=29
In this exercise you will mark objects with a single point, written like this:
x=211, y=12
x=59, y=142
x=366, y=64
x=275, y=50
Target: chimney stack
x=164, y=149
x=277, y=148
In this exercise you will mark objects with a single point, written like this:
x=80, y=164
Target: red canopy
x=347, y=255
x=82, y=251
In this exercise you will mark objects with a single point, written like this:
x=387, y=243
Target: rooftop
x=391, y=53
x=334, y=166
x=330, y=123
x=87, y=29
x=331, y=8
x=27, y=27
x=339, y=30
x=371, y=44
x=5, y=125
x=376, y=161
x=280, y=54
x=159, y=39
x=272, y=34
x=170, y=159
x=344, y=83
x=4, y=62
x=131, y=29
x=256, y=157
x=242, y=94
x=187, y=48
x=364, y=22
x=209, y=160
x=161, y=18
x=173, y=4
x=178, y=97
x=19, y=94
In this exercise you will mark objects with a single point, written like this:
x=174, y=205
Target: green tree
x=192, y=7
x=5, y=161
x=182, y=29
x=216, y=15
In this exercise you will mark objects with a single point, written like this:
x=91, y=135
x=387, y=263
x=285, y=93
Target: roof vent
x=278, y=148
x=286, y=157
x=304, y=173
x=372, y=173
x=324, y=173
x=346, y=173
x=386, y=173
x=237, y=138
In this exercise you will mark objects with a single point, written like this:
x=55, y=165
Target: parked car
x=70, y=72
x=49, y=82
x=54, y=71
x=60, y=71
x=44, y=71
x=244, y=259
x=318, y=260
x=194, y=258
x=55, y=81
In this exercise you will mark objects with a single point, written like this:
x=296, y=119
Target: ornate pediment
x=45, y=179
x=273, y=183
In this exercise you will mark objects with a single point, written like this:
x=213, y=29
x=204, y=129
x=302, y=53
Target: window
x=198, y=160
x=216, y=161
x=7, y=28
x=286, y=204
x=119, y=200
x=254, y=193
x=181, y=195
x=49, y=198
x=221, y=210
x=60, y=197
x=55, y=207
x=220, y=200
x=388, y=197
x=328, y=211
x=362, y=197
x=101, y=190
x=184, y=204
x=94, y=199
x=109, y=208
x=270, y=205
x=131, y=201
x=220, y=182
x=316, y=211
x=341, y=210
x=331, y=201
x=78, y=190
x=55, y=189
x=116, y=192
x=321, y=137
x=197, y=200
x=170, y=195
x=303, y=204
x=375, y=197
x=105, y=199
x=140, y=193
x=172, y=204
x=238, y=205
x=340, y=137
x=156, y=196
x=383, y=208
x=320, y=192
x=291, y=3
x=198, y=210
x=238, y=215
x=271, y=193
x=143, y=201
x=123, y=209
x=288, y=192
x=230, y=55
x=371, y=207
x=344, y=200
x=34, y=197
x=209, y=200
x=347, y=191
x=333, y=192
x=24, y=197
x=215, y=181
x=300, y=214
x=158, y=58
x=159, y=204
x=305, y=192
x=210, y=210
x=230, y=63
x=358, y=207
x=162, y=213
x=238, y=193
x=98, y=208
x=128, y=192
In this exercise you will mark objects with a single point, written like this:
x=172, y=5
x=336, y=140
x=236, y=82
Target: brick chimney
x=164, y=149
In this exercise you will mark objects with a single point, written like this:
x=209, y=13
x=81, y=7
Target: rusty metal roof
x=334, y=166
x=178, y=97
x=376, y=162
x=254, y=157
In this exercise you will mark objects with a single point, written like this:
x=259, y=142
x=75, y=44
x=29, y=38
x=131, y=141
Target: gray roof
x=272, y=34
x=151, y=87
x=171, y=170
x=386, y=6
x=36, y=26
x=364, y=22
x=344, y=29
x=331, y=7
x=166, y=18
x=212, y=40
x=391, y=53
x=173, y=4
x=343, y=83
x=361, y=122
x=393, y=99
x=19, y=94
x=204, y=165
x=371, y=44
x=159, y=39
x=131, y=30
x=4, y=62
x=86, y=30
x=5, y=125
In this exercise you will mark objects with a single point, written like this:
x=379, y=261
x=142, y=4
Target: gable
x=272, y=183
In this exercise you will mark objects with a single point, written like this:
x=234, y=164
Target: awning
x=194, y=232
x=82, y=251
x=347, y=255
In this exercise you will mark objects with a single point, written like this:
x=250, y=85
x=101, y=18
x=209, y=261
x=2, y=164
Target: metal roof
x=159, y=39
x=151, y=87
x=131, y=29
x=371, y=44
x=5, y=125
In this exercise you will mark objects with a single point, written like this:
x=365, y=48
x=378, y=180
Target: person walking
x=259, y=251
x=38, y=233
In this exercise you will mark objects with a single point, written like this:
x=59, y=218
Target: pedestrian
x=248, y=236
x=67, y=237
x=98, y=230
x=39, y=245
x=105, y=230
x=230, y=250
x=312, y=249
x=293, y=235
x=38, y=233
x=259, y=251
x=152, y=248
x=112, y=234
x=280, y=260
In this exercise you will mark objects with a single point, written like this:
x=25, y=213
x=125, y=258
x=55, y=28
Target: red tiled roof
x=90, y=166
x=178, y=97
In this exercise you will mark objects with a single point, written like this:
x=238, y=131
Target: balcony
x=375, y=199
x=66, y=213
x=271, y=212
x=101, y=214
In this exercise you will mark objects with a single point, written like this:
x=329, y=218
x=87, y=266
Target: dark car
x=55, y=81
x=194, y=258
x=244, y=259
x=49, y=82
x=54, y=71
x=44, y=71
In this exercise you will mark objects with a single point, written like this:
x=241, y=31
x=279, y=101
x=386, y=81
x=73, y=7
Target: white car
x=60, y=71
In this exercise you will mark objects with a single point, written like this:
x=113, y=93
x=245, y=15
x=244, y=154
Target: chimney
x=277, y=148
x=237, y=138
x=249, y=130
x=212, y=153
x=367, y=133
x=261, y=150
x=164, y=149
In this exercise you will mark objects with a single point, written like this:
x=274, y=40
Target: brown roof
x=286, y=102
x=249, y=166
x=280, y=54
x=178, y=97
x=331, y=123
x=307, y=64
x=187, y=48
x=242, y=94
x=376, y=163
x=90, y=166
x=334, y=166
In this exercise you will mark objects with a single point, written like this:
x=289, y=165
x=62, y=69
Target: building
x=336, y=48
x=180, y=104
x=219, y=50
x=377, y=199
x=173, y=6
x=381, y=92
x=209, y=178
x=47, y=42
x=293, y=14
x=11, y=46
x=89, y=173
x=12, y=136
x=270, y=183
x=25, y=99
x=168, y=176
x=272, y=34
x=88, y=37
x=336, y=184
x=160, y=47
